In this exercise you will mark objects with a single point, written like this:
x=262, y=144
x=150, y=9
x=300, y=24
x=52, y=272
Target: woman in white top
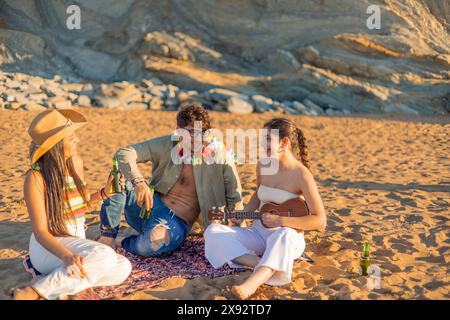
x=271, y=252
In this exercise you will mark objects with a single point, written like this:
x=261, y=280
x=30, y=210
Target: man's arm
x=233, y=188
x=130, y=156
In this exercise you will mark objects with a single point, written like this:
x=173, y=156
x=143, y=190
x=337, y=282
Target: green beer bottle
x=364, y=261
x=145, y=214
x=115, y=186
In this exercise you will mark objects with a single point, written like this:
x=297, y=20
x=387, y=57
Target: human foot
x=25, y=294
x=110, y=242
x=242, y=292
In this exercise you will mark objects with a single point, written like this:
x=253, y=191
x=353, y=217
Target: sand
x=383, y=181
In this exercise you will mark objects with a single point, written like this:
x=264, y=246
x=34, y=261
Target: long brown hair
x=54, y=170
x=287, y=128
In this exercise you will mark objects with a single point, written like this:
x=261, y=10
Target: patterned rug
x=187, y=262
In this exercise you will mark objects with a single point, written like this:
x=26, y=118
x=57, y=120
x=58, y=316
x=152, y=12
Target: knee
x=158, y=237
x=285, y=233
x=215, y=229
x=150, y=243
x=101, y=257
x=216, y=236
x=106, y=255
x=124, y=267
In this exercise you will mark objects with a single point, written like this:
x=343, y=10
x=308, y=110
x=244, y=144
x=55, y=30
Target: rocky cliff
x=316, y=52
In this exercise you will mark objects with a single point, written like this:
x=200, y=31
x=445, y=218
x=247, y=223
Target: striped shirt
x=75, y=206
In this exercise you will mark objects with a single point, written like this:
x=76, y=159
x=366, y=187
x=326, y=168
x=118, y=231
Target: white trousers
x=104, y=267
x=277, y=247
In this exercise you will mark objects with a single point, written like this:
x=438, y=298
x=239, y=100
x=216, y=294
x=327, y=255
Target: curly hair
x=287, y=128
x=191, y=112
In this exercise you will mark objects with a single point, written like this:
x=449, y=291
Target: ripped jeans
x=160, y=216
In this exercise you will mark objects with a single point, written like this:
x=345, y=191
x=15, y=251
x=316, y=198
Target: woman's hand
x=110, y=181
x=74, y=266
x=270, y=220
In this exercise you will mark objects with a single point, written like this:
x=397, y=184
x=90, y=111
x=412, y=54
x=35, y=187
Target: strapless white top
x=274, y=195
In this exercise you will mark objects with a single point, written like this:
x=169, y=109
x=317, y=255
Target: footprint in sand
x=343, y=212
x=390, y=217
x=344, y=285
x=379, y=241
x=383, y=253
x=428, y=240
x=324, y=247
x=413, y=218
x=404, y=201
x=402, y=246
x=432, y=259
x=353, y=235
x=308, y=280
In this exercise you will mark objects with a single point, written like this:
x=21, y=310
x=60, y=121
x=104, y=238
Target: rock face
x=314, y=50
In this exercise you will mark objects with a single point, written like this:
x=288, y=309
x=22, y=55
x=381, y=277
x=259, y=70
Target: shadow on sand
x=370, y=185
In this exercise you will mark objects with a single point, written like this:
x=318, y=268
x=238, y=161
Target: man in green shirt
x=186, y=186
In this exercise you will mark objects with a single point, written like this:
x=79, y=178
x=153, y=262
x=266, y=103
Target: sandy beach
x=383, y=181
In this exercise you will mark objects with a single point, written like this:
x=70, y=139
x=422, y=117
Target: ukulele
x=296, y=207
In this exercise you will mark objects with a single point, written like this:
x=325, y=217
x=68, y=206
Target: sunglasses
x=193, y=132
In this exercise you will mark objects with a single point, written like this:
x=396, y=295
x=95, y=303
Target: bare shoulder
x=34, y=179
x=304, y=174
x=33, y=176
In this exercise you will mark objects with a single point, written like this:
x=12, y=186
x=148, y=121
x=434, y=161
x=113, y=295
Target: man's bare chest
x=186, y=177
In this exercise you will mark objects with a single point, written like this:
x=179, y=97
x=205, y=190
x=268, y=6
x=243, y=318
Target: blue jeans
x=160, y=215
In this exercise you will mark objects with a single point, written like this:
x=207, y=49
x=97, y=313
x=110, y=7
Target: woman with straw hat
x=57, y=199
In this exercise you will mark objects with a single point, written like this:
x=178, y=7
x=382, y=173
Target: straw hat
x=52, y=126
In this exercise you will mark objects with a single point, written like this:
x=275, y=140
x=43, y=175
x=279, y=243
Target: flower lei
x=214, y=148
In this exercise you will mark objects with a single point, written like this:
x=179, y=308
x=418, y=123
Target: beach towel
x=188, y=262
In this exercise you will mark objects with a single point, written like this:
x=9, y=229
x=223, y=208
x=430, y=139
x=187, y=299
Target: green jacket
x=217, y=184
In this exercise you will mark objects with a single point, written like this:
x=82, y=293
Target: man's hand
x=144, y=195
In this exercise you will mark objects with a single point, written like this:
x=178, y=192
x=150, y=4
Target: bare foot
x=241, y=292
x=25, y=294
x=110, y=242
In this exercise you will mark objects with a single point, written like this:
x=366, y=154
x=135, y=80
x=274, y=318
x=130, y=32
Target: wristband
x=137, y=181
x=103, y=195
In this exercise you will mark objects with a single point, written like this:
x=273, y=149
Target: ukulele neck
x=243, y=215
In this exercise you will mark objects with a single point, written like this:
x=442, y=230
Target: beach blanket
x=188, y=262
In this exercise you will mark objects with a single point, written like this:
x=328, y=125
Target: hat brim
x=53, y=140
x=78, y=120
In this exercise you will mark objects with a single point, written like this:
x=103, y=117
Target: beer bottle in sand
x=364, y=261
